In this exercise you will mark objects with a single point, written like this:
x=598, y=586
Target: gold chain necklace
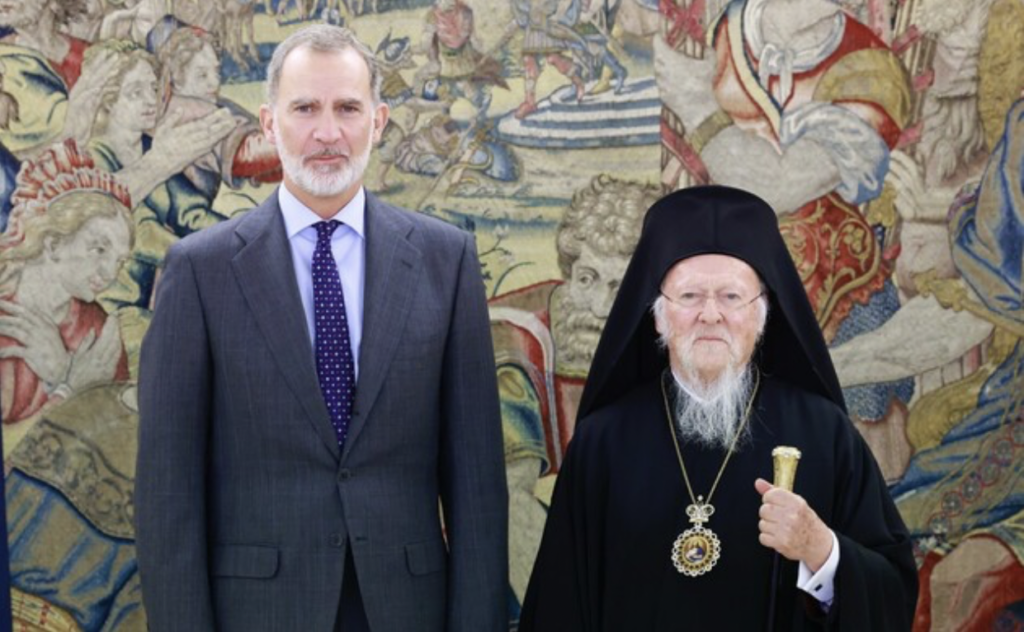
x=696, y=550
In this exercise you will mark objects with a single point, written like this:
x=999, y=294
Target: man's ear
x=380, y=120
x=658, y=312
x=51, y=248
x=267, y=123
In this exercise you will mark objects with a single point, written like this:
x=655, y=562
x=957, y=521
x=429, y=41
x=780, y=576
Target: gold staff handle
x=785, y=458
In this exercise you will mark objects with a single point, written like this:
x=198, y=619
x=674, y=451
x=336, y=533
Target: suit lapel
x=392, y=269
x=266, y=275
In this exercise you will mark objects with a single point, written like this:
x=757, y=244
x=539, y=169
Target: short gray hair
x=322, y=38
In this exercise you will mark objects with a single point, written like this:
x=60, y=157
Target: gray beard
x=318, y=182
x=713, y=420
x=576, y=332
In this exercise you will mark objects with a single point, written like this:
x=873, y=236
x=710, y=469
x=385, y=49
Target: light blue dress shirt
x=348, y=244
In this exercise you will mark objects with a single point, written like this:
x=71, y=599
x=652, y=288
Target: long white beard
x=714, y=413
x=327, y=181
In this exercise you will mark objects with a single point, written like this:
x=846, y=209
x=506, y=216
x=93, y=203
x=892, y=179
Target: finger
x=14, y=318
x=109, y=345
x=767, y=527
x=11, y=308
x=12, y=351
x=170, y=120
x=902, y=159
x=220, y=115
x=87, y=341
x=762, y=486
x=775, y=538
x=769, y=541
x=222, y=127
x=14, y=327
x=27, y=318
x=31, y=317
x=108, y=353
x=109, y=328
x=781, y=497
x=904, y=169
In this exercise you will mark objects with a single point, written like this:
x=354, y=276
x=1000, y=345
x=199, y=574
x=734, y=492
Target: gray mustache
x=326, y=153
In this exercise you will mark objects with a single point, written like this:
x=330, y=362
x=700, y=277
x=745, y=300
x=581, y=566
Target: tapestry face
x=889, y=137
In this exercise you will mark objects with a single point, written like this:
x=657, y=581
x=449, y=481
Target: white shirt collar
x=298, y=216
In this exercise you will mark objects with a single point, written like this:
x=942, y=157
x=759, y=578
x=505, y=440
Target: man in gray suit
x=317, y=390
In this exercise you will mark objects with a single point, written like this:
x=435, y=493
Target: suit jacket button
x=344, y=475
x=337, y=540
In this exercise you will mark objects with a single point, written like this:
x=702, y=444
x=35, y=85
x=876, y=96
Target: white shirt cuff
x=820, y=585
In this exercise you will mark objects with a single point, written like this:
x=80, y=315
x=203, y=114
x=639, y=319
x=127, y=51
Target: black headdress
x=708, y=220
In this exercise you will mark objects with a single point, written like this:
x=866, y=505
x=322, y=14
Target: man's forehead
x=307, y=68
x=715, y=267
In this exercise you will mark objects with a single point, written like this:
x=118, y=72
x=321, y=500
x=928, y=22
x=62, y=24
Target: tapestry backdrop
x=889, y=135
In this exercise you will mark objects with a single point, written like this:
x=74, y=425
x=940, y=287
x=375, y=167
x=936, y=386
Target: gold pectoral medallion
x=696, y=550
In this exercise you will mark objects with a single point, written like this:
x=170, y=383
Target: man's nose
x=327, y=130
x=709, y=312
x=602, y=305
x=109, y=268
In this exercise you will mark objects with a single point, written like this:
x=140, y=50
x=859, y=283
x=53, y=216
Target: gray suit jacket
x=245, y=507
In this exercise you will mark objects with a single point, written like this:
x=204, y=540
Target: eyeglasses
x=725, y=301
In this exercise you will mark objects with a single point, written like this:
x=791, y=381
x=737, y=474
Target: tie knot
x=324, y=230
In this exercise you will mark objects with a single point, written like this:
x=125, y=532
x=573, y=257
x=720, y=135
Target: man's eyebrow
x=294, y=103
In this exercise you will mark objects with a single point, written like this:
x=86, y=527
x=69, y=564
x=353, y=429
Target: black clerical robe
x=619, y=504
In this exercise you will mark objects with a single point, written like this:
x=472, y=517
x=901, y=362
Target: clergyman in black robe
x=606, y=562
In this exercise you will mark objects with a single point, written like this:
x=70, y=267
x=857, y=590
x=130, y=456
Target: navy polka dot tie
x=334, y=365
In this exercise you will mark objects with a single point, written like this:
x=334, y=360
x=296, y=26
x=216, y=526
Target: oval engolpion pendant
x=696, y=551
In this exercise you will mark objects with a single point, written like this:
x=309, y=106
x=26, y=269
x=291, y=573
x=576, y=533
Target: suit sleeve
x=474, y=496
x=174, y=404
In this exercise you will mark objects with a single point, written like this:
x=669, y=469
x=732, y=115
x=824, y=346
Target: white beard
x=325, y=181
x=710, y=414
x=952, y=136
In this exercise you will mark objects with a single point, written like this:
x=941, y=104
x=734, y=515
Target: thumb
x=762, y=486
x=108, y=327
x=87, y=341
